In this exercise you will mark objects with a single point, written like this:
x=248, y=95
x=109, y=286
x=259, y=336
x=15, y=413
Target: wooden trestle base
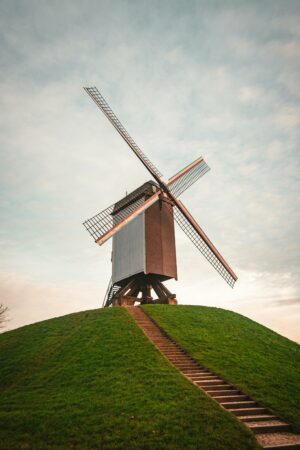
x=128, y=295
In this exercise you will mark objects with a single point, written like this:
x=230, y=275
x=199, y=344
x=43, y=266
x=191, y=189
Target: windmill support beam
x=144, y=285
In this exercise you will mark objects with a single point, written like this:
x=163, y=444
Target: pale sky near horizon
x=187, y=78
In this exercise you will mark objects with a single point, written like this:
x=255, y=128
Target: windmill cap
x=147, y=188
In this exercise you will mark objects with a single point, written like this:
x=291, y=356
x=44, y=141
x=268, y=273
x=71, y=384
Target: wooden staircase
x=272, y=432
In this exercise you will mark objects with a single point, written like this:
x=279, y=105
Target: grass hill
x=262, y=363
x=92, y=380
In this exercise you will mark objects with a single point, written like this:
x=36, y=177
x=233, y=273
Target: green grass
x=92, y=380
x=262, y=363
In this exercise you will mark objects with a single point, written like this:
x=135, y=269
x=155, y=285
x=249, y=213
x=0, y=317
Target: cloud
x=250, y=94
x=288, y=117
x=287, y=302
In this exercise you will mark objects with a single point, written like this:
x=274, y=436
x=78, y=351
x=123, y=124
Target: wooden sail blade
x=105, y=224
x=195, y=233
x=100, y=223
x=187, y=176
x=105, y=108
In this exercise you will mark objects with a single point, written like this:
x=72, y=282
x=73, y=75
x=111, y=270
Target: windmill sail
x=108, y=222
x=105, y=108
x=202, y=242
x=187, y=176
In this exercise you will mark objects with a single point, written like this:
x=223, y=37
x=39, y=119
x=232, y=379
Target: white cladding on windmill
x=142, y=227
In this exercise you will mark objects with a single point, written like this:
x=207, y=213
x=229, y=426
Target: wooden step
x=159, y=341
x=205, y=377
x=230, y=398
x=202, y=372
x=165, y=351
x=189, y=372
x=248, y=411
x=207, y=380
x=191, y=364
x=166, y=348
x=198, y=374
x=182, y=367
x=238, y=405
x=181, y=364
x=268, y=426
x=224, y=392
x=207, y=383
x=257, y=418
x=174, y=353
x=217, y=387
x=180, y=359
x=190, y=361
x=294, y=446
x=150, y=327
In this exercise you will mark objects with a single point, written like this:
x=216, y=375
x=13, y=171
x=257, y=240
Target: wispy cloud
x=286, y=302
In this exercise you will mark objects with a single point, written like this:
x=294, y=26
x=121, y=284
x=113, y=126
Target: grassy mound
x=262, y=363
x=92, y=380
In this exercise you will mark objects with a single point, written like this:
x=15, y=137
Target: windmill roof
x=146, y=188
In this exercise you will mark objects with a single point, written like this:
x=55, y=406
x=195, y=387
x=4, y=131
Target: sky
x=187, y=78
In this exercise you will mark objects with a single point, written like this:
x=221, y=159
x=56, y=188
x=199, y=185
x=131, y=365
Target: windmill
x=142, y=229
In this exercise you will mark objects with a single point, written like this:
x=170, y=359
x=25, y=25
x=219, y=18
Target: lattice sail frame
x=105, y=108
x=203, y=247
x=181, y=184
x=104, y=221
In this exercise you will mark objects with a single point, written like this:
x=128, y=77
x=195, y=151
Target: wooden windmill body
x=144, y=254
x=142, y=228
